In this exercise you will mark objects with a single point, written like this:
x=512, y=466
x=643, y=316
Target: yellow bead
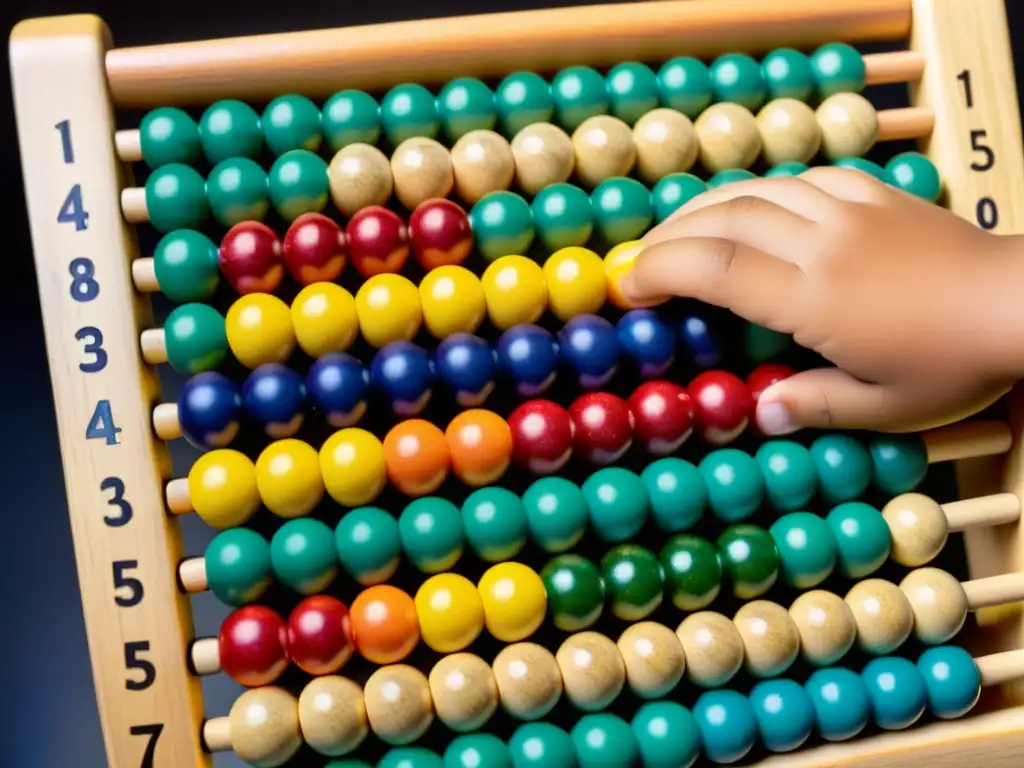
x=450, y=611
x=259, y=329
x=576, y=282
x=617, y=264
x=325, y=320
x=514, y=601
x=516, y=291
x=453, y=301
x=222, y=488
x=353, y=468
x=288, y=477
x=389, y=309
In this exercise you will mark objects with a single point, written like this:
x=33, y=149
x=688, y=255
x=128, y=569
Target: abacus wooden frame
x=68, y=79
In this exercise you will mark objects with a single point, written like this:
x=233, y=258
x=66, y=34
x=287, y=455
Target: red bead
x=440, y=233
x=314, y=249
x=724, y=406
x=250, y=258
x=604, y=427
x=377, y=241
x=664, y=415
x=764, y=376
x=320, y=635
x=542, y=434
x=253, y=645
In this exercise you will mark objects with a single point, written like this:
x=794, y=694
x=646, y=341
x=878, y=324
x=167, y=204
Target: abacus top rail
x=373, y=57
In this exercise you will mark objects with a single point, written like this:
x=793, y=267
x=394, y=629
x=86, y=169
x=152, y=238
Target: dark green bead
x=838, y=68
x=432, y=535
x=502, y=224
x=685, y=85
x=633, y=581
x=677, y=493
x=477, y=750
x=298, y=184
x=351, y=117
x=466, y=104
x=556, y=512
x=302, y=555
x=844, y=467
x=494, y=519
x=862, y=537
x=237, y=191
x=914, y=173
x=238, y=566
x=730, y=176
x=230, y=128
x=195, y=338
x=411, y=757
x=788, y=75
x=673, y=191
x=734, y=482
x=169, y=135
x=409, y=111
x=633, y=90
x=291, y=122
x=622, y=209
x=737, y=78
x=692, y=569
x=618, y=503
x=522, y=99
x=807, y=549
x=578, y=93
x=603, y=740
x=750, y=558
x=790, y=476
x=176, y=198
x=541, y=745
x=563, y=216
x=900, y=462
x=862, y=164
x=667, y=734
x=764, y=343
x=185, y=264
x=785, y=170
x=347, y=764
x=369, y=545
x=575, y=592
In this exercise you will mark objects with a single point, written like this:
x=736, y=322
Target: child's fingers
x=846, y=184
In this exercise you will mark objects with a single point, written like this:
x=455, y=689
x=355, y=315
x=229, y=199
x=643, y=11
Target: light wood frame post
x=126, y=546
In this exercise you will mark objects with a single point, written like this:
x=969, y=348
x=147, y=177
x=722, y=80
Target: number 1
x=64, y=126
x=965, y=78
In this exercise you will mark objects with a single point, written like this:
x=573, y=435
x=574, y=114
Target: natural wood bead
x=543, y=155
x=593, y=672
x=265, y=726
x=826, y=626
x=771, y=642
x=603, y=147
x=883, y=615
x=789, y=132
x=422, y=169
x=482, y=162
x=666, y=142
x=332, y=715
x=398, y=704
x=360, y=176
x=464, y=690
x=938, y=602
x=712, y=646
x=849, y=125
x=653, y=657
x=728, y=137
x=918, y=528
x=529, y=681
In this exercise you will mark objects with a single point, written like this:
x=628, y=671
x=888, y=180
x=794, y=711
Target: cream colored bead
x=728, y=137
x=849, y=125
x=422, y=169
x=398, y=704
x=771, y=642
x=360, y=176
x=938, y=602
x=883, y=615
x=653, y=657
x=593, y=671
x=529, y=681
x=918, y=529
x=482, y=162
x=603, y=147
x=826, y=626
x=789, y=132
x=712, y=646
x=543, y=156
x=332, y=715
x=265, y=726
x=464, y=690
x=666, y=142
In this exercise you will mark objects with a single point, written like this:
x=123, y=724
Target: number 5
x=978, y=145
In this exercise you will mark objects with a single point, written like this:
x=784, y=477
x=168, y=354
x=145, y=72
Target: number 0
x=988, y=213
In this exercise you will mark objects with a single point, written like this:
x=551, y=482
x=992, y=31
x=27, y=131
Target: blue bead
x=208, y=409
x=338, y=385
x=528, y=355
x=667, y=734
x=275, y=396
x=648, y=341
x=591, y=346
x=952, y=681
x=468, y=366
x=728, y=725
x=404, y=374
x=897, y=691
x=785, y=714
x=702, y=347
x=841, y=702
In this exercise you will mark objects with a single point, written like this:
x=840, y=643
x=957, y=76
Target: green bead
x=622, y=209
x=522, y=99
x=237, y=191
x=764, y=343
x=730, y=176
x=618, y=503
x=677, y=493
x=230, y=128
x=914, y=173
x=347, y=764
x=477, y=750
x=238, y=566
x=667, y=734
x=556, y=512
x=466, y=104
x=750, y=558
x=790, y=476
x=578, y=93
x=673, y=191
x=409, y=111
x=633, y=581
x=900, y=462
x=563, y=216
x=350, y=117
x=195, y=338
x=734, y=483
x=494, y=520
x=737, y=78
x=432, y=535
x=633, y=90
x=575, y=592
x=844, y=467
x=185, y=264
x=786, y=170
x=302, y=554
x=862, y=164
x=298, y=184
x=807, y=549
x=169, y=135
x=176, y=198
x=411, y=757
x=291, y=122
x=502, y=224
x=369, y=545
x=692, y=569
x=838, y=68
x=603, y=740
x=788, y=75
x=685, y=85
x=541, y=745
x=862, y=537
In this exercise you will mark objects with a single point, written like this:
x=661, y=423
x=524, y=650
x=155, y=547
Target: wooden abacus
x=69, y=82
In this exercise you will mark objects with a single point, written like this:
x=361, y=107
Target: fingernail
x=775, y=419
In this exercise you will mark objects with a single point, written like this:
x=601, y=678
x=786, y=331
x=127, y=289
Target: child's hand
x=915, y=306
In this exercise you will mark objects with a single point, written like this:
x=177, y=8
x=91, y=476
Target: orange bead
x=480, y=443
x=384, y=625
x=417, y=457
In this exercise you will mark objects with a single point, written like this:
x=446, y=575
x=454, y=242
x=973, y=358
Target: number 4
x=73, y=212
x=101, y=425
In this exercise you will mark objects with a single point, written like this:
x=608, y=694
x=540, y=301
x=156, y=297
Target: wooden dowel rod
x=1003, y=589
x=967, y=440
x=165, y=421
x=154, y=346
x=178, y=498
x=128, y=145
x=982, y=512
x=906, y=123
x=144, y=275
x=998, y=668
x=204, y=655
x=893, y=67
x=217, y=734
x=192, y=575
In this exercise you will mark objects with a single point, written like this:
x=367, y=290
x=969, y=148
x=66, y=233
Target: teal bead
x=369, y=545
x=541, y=745
x=838, y=68
x=633, y=582
x=916, y=174
x=862, y=537
x=763, y=344
x=237, y=189
x=844, y=467
x=502, y=224
x=667, y=735
x=685, y=85
x=432, y=535
x=411, y=757
x=737, y=78
x=900, y=462
x=176, y=198
x=185, y=265
x=789, y=472
x=303, y=555
x=409, y=111
x=618, y=503
x=563, y=216
x=575, y=591
x=522, y=99
x=632, y=89
x=863, y=165
x=785, y=714
x=786, y=170
x=291, y=122
x=230, y=128
x=494, y=520
x=807, y=549
x=238, y=566
x=195, y=337
x=730, y=176
x=298, y=184
x=897, y=691
x=692, y=569
x=347, y=764
x=477, y=750
x=734, y=484
x=677, y=493
x=788, y=75
x=622, y=209
x=841, y=702
x=673, y=192
x=727, y=724
x=169, y=135
x=350, y=117
x=602, y=740
x=951, y=679
x=466, y=104
x=749, y=556
x=556, y=513
x=578, y=93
